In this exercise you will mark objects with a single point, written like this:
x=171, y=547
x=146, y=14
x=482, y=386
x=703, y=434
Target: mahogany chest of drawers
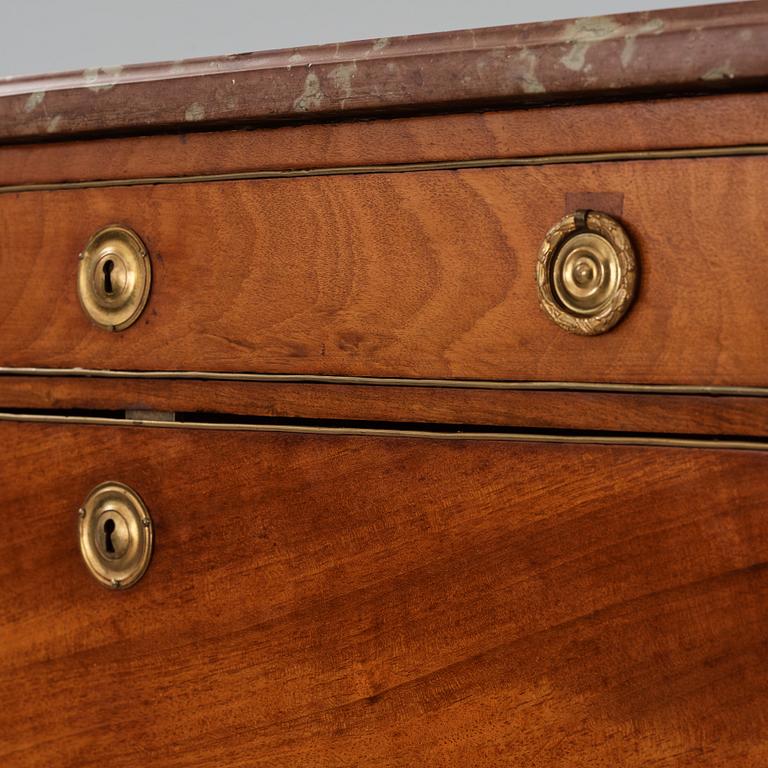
x=396, y=403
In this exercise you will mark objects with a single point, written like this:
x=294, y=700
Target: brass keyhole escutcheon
x=114, y=278
x=586, y=273
x=115, y=535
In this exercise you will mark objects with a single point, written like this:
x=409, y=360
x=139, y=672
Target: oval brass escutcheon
x=586, y=273
x=115, y=535
x=114, y=277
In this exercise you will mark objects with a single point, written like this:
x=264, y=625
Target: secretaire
x=401, y=402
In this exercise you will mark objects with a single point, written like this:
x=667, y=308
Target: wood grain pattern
x=414, y=275
x=366, y=601
x=591, y=411
x=707, y=121
x=560, y=61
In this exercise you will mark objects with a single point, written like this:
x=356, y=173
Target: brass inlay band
x=303, y=378
x=636, y=440
x=436, y=165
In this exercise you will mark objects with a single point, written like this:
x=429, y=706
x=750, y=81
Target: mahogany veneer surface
x=321, y=598
x=661, y=124
x=346, y=601
x=427, y=274
x=199, y=400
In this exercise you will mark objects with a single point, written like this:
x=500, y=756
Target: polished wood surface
x=446, y=596
x=706, y=121
x=589, y=411
x=355, y=601
x=546, y=63
x=427, y=274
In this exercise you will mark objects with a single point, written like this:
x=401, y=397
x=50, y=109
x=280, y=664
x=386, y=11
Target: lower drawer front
x=366, y=600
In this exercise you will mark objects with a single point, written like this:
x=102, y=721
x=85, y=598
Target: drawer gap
x=233, y=422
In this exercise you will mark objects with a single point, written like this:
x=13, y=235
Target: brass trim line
x=437, y=165
x=665, y=442
x=302, y=378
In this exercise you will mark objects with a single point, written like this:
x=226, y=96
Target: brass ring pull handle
x=587, y=273
x=114, y=277
x=115, y=535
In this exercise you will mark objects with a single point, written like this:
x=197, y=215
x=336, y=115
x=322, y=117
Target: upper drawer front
x=355, y=601
x=420, y=275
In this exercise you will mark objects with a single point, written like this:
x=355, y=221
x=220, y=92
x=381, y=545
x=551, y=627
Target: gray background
x=56, y=35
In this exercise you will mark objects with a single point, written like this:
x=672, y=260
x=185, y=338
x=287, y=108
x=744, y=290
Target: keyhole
x=109, y=527
x=107, y=268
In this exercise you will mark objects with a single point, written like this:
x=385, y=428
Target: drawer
x=428, y=274
x=362, y=599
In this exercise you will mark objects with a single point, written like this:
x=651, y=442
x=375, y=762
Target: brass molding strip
x=301, y=378
x=438, y=165
x=665, y=442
